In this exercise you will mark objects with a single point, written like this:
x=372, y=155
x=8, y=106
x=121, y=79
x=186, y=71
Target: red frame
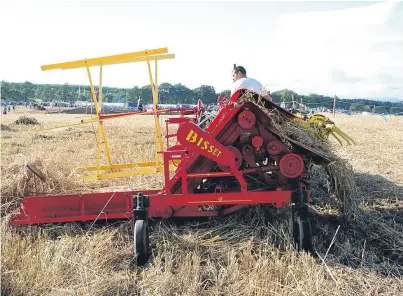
x=119, y=205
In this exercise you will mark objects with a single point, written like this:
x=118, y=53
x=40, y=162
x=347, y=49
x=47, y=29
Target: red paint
x=118, y=205
x=246, y=119
x=238, y=158
x=274, y=147
x=291, y=165
x=197, y=140
x=257, y=141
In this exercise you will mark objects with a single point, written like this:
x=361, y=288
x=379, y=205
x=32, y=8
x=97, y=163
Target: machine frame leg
x=301, y=227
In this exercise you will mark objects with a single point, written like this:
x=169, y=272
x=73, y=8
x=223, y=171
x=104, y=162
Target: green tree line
x=354, y=105
x=168, y=93
x=177, y=94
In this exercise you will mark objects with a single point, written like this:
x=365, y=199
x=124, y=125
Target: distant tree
x=108, y=97
x=5, y=90
x=134, y=93
x=206, y=93
x=226, y=93
x=357, y=107
x=66, y=93
x=166, y=93
x=27, y=90
x=146, y=94
x=288, y=96
x=182, y=94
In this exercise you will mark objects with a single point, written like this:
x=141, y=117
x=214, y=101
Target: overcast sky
x=352, y=49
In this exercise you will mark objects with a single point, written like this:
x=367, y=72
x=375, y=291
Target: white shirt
x=247, y=83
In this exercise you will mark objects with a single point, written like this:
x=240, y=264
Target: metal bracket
x=141, y=203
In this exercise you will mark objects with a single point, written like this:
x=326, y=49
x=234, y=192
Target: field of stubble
x=237, y=255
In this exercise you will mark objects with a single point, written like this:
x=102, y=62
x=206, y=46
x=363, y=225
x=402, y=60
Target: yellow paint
x=98, y=149
x=105, y=60
x=136, y=168
x=192, y=137
x=108, y=153
x=94, y=99
x=326, y=127
x=158, y=137
x=100, y=90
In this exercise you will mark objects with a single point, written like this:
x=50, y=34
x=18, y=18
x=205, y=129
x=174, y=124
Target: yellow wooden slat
x=105, y=60
x=168, y=56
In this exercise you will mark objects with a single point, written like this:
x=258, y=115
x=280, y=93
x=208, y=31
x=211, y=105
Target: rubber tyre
x=141, y=242
x=303, y=235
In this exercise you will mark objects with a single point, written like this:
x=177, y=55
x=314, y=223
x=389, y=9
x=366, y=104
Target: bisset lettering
x=193, y=137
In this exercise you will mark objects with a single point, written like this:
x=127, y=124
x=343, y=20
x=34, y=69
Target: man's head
x=238, y=73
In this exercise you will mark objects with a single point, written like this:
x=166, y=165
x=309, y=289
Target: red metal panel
x=246, y=119
x=204, y=144
x=226, y=134
x=277, y=197
x=85, y=207
x=119, y=205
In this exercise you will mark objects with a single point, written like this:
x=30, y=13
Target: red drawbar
x=119, y=205
x=84, y=207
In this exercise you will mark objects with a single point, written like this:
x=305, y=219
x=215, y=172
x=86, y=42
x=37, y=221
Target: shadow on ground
x=373, y=239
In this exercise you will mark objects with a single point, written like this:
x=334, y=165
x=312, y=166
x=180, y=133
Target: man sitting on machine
x=241, y=81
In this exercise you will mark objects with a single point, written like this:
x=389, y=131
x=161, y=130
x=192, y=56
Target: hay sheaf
x=4, y=127
x=26, y=120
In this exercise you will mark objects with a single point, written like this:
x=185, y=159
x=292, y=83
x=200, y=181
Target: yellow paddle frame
x=138, y=168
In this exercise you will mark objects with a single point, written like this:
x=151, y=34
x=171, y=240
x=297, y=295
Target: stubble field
x=236, y=255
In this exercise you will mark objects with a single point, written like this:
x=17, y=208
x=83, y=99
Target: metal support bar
x=94, y=98
x=108, y=154
x=100, y=90
x=158, y=137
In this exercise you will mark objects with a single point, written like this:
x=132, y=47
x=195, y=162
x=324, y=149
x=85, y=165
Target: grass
x=241, y=254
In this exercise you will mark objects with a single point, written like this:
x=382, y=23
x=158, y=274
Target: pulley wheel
x=141, y=242
x=238, y=158
x=274, y=147
x=246, y=119
x=247, y=149
x=257, y=141
x=291, y=165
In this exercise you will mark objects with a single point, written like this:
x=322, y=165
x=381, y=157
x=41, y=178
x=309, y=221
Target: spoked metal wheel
x=303, y=235
x=141, y=242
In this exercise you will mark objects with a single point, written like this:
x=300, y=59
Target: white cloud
x=356, y=42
